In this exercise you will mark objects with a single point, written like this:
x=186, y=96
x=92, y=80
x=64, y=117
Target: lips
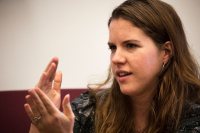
x=122, y=75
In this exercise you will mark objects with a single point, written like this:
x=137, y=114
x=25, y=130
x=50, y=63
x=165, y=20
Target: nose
x=118, y=57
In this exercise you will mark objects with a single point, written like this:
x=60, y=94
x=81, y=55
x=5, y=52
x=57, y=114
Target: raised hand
x=49, y=118
x=50, y=82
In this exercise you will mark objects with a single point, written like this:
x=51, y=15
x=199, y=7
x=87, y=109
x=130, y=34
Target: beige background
x=33, y=31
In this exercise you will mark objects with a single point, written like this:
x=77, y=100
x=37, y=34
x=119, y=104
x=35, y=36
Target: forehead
x=121, y=29
x=120, y=24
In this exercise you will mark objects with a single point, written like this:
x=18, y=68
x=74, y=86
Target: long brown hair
x=179, y=82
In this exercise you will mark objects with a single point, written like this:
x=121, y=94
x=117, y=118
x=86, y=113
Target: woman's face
x=135, y=60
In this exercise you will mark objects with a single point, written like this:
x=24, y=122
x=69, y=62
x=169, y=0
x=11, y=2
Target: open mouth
x=123, y=73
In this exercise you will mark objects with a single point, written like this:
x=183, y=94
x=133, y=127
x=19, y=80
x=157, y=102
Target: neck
x=141, y=115
x=141, y=108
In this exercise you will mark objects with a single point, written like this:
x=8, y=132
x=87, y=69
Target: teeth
x=123, y=74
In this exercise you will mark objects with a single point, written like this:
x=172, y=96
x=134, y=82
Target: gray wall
x=33, y=31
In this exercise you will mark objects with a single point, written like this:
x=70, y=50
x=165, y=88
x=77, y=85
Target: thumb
x=67, y=107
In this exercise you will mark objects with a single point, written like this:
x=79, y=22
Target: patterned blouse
x=84, y=111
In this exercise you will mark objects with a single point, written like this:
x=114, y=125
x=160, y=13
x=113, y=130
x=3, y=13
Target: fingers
x=36, y=103
x=57, y=81
x=29, y=111
x=30, y=102
x=50, y=107
x=49, y=73
x=53, y=60
x=67, y=107
x=32, y=110
x=42, y=80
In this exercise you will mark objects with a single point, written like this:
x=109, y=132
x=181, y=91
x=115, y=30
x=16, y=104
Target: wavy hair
x=179, y=82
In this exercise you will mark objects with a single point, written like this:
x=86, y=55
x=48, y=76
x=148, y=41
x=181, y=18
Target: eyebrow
x=125, y=42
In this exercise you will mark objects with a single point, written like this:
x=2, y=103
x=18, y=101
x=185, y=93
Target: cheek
x=149, y=63
x=152, y=63
x=112, y=66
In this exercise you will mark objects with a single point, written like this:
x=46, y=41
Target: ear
x=167, y=51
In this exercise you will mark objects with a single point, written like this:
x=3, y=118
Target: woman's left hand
x=46, y=116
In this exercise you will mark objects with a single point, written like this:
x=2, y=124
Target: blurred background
x=75, y=31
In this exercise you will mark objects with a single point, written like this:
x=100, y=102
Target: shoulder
x=86, y=102
x=190, y=121
x=84, y=110
x=84, y=105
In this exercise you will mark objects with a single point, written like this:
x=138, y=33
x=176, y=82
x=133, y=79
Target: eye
x=112, y=47
x=130, y=45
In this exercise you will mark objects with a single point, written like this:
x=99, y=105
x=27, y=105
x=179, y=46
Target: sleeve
x=84, y=110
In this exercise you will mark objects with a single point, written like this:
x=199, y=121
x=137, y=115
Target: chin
x=130, y=91
x=127, y=90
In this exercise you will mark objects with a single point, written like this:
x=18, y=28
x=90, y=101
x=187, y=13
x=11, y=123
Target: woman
x=155, y=80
